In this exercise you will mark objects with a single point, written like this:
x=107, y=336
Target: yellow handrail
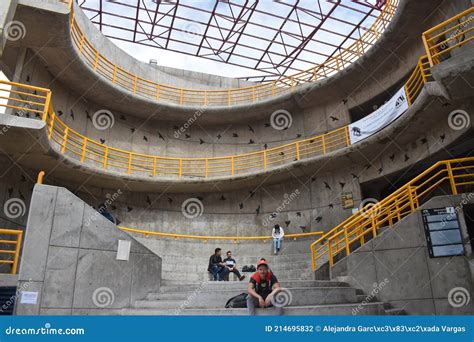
x=225, y=238
x=87, y=150
x=12, y=255
x=227, y=97
x=448, y=35
x=366, y=222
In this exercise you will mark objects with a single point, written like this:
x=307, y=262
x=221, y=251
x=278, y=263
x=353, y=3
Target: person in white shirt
x=277, y=235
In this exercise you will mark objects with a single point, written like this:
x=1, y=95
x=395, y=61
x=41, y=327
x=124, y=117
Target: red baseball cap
x=262, y=262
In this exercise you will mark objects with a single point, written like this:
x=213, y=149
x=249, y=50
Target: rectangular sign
x=377, y=120
x=28, y=297
x=123, y=250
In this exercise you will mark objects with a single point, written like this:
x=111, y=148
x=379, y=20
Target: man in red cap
x=262, y=288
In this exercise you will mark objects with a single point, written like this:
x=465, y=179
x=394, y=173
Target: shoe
x=242, y=277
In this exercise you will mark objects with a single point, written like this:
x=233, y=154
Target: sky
x=191, y=31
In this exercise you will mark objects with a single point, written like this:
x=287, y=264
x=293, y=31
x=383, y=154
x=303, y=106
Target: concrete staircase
x=304, y=297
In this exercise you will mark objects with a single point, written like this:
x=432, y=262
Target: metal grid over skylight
x=264, y=39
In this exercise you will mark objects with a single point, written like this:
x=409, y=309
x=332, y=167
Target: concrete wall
x=412, y=280
x=69, y=258
x=7, y=9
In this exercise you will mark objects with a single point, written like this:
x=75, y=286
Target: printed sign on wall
x=377, y=120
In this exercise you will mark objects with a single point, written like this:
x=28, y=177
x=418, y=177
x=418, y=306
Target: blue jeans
x=218, y=272
x=277, y=243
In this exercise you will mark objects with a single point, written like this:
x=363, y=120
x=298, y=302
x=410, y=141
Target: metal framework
x=274, y=37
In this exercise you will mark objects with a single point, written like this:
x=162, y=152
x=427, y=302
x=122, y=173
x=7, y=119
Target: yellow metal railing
x=37, y=101
x=440, y=40
x=160, y=92
x=10, y=256
x=454, y=175
x=417, y=79
x=235, y=239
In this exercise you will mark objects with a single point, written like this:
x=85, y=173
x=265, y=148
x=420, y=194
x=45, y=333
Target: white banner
x=377, y=120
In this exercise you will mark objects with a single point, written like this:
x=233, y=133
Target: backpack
x=245, y=268
x=239, y=301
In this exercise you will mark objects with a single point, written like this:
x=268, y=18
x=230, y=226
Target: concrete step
x=297, y=296
x=177, y=276
x=169, y=266
x=237, y=285
x=307, y=310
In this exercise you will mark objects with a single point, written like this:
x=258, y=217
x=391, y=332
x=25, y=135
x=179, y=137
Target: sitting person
x=231, y=266
x=262, y=287
x=216, y=267
x=277, y=235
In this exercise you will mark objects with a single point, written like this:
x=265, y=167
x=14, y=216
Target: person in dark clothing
x=231, y=266
x=216, y=267
x=262, y=288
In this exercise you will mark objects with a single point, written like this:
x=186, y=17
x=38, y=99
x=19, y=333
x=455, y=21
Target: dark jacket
x=214, y=260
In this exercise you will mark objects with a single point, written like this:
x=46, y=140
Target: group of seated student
x=220, y=268
x=263, y=284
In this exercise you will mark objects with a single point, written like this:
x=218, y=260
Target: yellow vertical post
x=346, y=131
x=157, y=91
x=181, y=94
x=81, y=44
x=331, y=261
x=129, y=169
x=96, y=61
x=451, y=178
x=50, y=133
x=47, y=104
x=83, y=152
x=254, y=94
x=206, y=168
x=410, y=198
x=313, y=258
x=323, y=140
x=154, y=167
x=114, y=76
x=427, y=48
x=17, y=252
x=228, y=97
x=346, y=241
x=233, y=170
x=265, y=160
x=106, y=153
x=297, y=147
x=180, y=167
x=135, y=84
x=273, y=88
x=63, y=146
